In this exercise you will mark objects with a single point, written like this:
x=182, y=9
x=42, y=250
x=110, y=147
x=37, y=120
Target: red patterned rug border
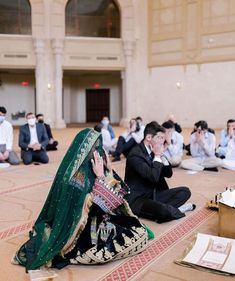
x=128, y=269
x=159, y=246
x=16, y=230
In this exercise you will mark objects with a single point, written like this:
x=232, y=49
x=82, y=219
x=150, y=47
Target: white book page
x=213, y=252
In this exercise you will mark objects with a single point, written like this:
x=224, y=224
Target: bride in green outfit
x=85, y=219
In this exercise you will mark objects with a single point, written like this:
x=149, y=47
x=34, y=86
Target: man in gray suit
x=33, y=140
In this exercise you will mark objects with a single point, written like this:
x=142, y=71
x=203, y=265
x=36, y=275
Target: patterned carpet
x=158, y=247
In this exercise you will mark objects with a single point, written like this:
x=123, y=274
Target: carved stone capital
x=57, y=46
x=39, y=46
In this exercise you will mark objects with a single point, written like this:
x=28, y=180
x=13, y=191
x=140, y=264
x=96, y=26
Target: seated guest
x=171, y=117
x=202, y=148
x=33, y=140
x=229, y=161
x=173, y=146
x=96, y=225
x=132, y=136
x=6, y=140
x=108, y=143
x=52, y=144
x=146, y=170
x=106, y=125
x=187, y=147
x=225, y=136
x=140, y=127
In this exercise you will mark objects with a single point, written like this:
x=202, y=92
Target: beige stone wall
x=190, y=90
x=191, y=31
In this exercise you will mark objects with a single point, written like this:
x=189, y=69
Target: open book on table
x=213, y=253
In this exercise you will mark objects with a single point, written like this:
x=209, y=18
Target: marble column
x=128, y=81
x=39, y=46
x=57, y=48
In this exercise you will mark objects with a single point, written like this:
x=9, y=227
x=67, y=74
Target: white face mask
x=31, y=121
x=2, y=118
x=105, y=122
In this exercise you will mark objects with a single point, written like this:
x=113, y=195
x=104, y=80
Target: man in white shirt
x=173, y=146
x=6, y=140
x=132, y=135
x=108, y=143
x=33, y=140
x=202, y=148
x=226, y=135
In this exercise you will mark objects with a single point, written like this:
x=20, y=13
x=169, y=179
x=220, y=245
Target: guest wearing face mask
x=106, y=125
x=6, y=140
x=52, y=144
x=33, y=140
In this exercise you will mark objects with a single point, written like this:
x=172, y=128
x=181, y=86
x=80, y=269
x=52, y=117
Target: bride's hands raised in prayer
x=107, y=161
x=97, y=164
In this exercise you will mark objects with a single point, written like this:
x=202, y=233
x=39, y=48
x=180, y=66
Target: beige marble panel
x=224, y=53
x=16, y=51
x=199, y=24
x=93, y=53
x=218, y=40
x=167, y=46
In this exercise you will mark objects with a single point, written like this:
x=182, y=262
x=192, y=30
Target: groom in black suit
x=146, y=169
x=33, y=140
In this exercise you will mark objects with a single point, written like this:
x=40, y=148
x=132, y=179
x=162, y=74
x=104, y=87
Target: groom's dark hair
x=153, y=128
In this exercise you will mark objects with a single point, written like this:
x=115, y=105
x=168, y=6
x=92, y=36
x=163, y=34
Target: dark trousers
x=124, y=147
x=164, y=206
x=52, y=146
x=38, y=156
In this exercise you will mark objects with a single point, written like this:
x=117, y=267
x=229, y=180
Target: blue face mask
x=2, y=118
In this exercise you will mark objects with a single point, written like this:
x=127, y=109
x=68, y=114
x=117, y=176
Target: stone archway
x=128, y=40
x=50, y=71
x=126, y=11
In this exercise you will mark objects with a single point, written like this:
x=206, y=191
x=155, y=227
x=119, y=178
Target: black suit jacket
x=24, y=136
x=143, y=176
x=48, y=129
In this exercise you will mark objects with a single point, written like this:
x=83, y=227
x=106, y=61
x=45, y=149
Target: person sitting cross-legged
x=173, y=146
x=225, y=136
x=132, y=135
x=228, y=148
x=202, y=148
x=52, y=143
x=146, y=169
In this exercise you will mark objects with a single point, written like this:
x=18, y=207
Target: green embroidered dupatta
x=62, y=210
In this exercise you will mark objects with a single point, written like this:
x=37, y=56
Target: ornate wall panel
x=190, y=31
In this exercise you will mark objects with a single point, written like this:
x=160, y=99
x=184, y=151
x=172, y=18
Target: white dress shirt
x=161, y=159
x=108, y=142
x=6, y=134
x=176, y=147
x=137, y=136
x=33, y=135
x=204, y=149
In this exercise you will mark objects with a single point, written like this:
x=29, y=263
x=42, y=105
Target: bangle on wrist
x=101, y=178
